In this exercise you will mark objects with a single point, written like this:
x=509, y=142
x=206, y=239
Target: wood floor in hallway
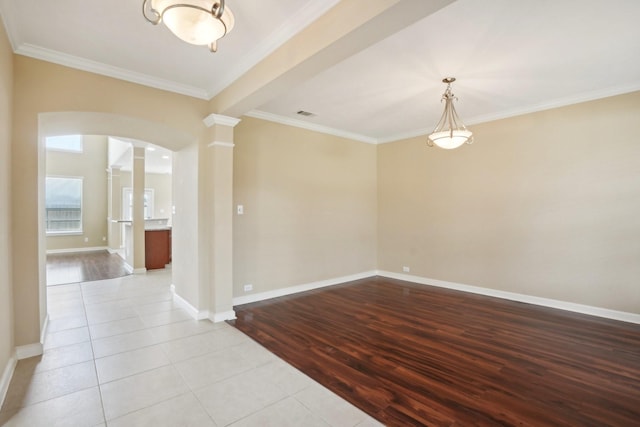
x=79, y=267
x=410, y=354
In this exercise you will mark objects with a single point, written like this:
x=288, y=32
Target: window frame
x=127, y=203
x=46, y=221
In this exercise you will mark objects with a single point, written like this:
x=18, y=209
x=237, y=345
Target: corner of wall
x=194, y=312
x=5, y=379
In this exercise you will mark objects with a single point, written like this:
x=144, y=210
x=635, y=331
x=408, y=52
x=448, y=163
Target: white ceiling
x=510, y=57
x=156, y=159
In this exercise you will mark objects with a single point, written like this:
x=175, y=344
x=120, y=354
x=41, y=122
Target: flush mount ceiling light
x=450, y=132
x=199, y=22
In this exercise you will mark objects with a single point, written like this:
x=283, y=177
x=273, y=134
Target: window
x=72, y=143
x=63, y=205
x=127, y=203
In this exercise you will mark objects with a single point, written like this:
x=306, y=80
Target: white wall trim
x=221, y=317
x=221, y=144
x=545, y=302
x=83, y=64
x=45, y=326
x=193, y=312
x=29, y=350
x=310, y=126
x=7, y=374
x=247, y=299
x=528, y=109
x=218, y=119
x=72, y=250
x=140, y=270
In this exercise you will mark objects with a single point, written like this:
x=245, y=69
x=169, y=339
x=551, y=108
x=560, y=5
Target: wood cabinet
x=157, y=245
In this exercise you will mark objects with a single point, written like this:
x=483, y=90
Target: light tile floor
x=120, y=353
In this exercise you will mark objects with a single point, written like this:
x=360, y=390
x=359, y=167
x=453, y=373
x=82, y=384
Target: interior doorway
x=89, y=123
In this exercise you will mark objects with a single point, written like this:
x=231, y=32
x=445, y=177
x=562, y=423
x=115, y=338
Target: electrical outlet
x=406, y=269
x=104, y=239
x=240, y=210
x=86, y=240
x=248, y=288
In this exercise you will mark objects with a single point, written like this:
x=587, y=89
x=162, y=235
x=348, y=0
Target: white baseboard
x=72, y=250
x=29, y=350
x=5, y=380
x=140, y=270
x=221, y=317
x=545, y=302
x=45, y=326
x=247, y=299
x=194, y=312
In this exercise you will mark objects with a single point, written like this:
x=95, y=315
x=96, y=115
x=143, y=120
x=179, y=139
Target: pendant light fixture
x=199, y=22
x=450, y=132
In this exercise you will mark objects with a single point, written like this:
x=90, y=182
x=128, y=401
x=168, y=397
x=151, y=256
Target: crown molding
x=310, y=126
x=303, y=18
x=534, y=108
x=7, y=15
x=293, y=25
x=405, y=135
x=218, y=119
x=556, y=103
x=529, y=109
x=108, y=70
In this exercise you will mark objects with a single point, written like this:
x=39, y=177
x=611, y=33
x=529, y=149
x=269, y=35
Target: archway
x=91, y=123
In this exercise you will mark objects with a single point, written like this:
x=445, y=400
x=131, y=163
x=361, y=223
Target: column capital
x=218, y=119
x=221, y=144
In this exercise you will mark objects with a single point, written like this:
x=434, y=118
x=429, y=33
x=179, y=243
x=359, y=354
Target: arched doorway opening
x=89, y=123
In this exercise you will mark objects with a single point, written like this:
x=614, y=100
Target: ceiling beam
x=346, y=29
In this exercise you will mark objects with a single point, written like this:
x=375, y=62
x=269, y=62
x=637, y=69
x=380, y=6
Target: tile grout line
x=191, y=391
x=95, y=369
x=143, y=347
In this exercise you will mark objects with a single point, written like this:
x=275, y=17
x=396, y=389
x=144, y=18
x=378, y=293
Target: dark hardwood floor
x=83, y=267
x=410, y=354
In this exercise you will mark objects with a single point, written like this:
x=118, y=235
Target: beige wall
x=6, y=294
x=544, y=204
x=91, y=165
x=41, y=87
x=309, y=206
x=186, y=227
x=161, y=185
x=540, y=205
